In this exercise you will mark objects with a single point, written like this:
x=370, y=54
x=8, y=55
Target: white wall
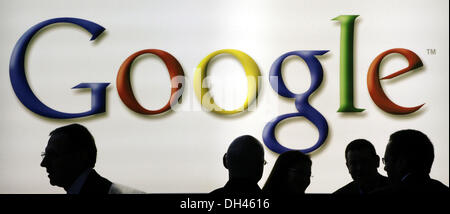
x=182, y=151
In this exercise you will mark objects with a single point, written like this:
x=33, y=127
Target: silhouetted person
x=245, y=161
x=408, y=159
x=362, y=163
x=70, y=157
x=290, y=175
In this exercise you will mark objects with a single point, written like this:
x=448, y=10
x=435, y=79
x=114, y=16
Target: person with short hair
x=70, y=158
x=244, y=161
x=408, y=160
x=362, y=163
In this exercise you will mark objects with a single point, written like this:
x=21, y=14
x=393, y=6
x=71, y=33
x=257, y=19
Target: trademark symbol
x=431, y=51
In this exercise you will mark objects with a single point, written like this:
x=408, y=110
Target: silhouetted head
x=245, y=159
x=70, y=150
x=408, y=151
x=362, y=160
x=290, y=175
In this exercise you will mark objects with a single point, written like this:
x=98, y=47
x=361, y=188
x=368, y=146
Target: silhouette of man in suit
x=69, y=159
x=245, y=161
x=362, y=163
x=408, y=159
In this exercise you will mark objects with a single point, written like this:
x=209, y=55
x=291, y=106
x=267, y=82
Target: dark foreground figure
x=69, y=159
x=362, y=163
x=244, y=161
x=408, y=159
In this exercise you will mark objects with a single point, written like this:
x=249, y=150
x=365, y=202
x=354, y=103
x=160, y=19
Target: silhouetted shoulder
x=416, y=183
x=352, y=188
x=237, y=188
x=96, y=184
x=437, y=186
x=430, y=187
x=349, y=189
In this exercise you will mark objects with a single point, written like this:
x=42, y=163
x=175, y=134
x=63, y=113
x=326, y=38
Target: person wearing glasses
x=362, y=163
x=290, y=176
x=408, y=159
x=244, y=161
x=69, y=159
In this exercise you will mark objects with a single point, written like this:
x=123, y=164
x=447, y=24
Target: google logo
x=124, y=87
